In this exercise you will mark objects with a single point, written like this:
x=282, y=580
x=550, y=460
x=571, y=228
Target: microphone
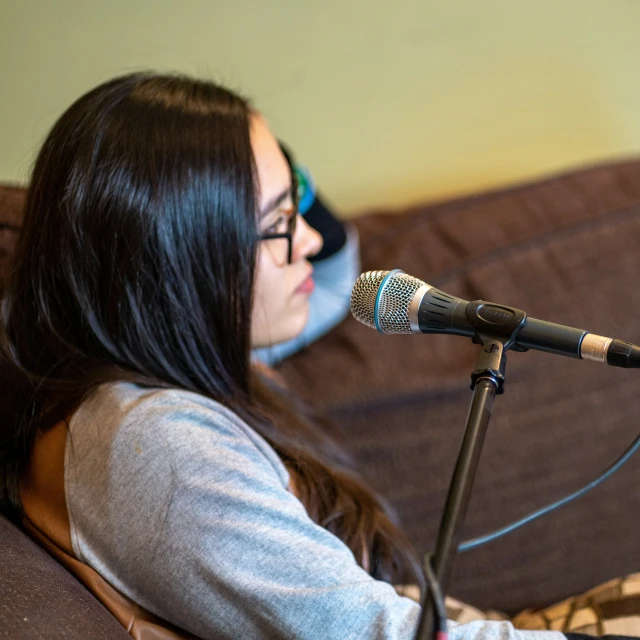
x=394, y=302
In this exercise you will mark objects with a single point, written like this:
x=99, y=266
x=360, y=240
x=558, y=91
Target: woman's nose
x=306, y=241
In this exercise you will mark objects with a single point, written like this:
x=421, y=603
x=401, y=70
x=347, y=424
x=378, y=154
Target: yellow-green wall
x=387, y=102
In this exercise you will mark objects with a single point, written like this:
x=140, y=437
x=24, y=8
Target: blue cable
x=476, y=542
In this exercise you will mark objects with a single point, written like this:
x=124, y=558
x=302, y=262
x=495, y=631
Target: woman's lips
x=307, y=285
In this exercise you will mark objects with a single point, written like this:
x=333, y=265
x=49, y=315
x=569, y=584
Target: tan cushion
x=612, y=608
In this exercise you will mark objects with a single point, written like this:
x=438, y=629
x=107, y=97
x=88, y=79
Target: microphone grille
x=364, y=294
x=388, y=306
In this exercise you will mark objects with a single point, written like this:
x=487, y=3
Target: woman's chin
x=294, y=330
x=277, y=335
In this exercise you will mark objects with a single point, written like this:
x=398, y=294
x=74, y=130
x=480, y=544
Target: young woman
x=193, y=495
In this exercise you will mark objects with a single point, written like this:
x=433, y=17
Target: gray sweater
x=185, y=509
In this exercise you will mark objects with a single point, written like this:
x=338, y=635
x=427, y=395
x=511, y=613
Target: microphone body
x=394, y=302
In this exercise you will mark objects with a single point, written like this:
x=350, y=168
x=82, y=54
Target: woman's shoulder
x=129, y=398
x=125, y=418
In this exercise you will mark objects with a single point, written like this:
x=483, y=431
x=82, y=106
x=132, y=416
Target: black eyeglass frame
x=290, y=232
x=293, y=218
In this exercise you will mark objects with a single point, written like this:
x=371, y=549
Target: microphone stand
x=487, y=380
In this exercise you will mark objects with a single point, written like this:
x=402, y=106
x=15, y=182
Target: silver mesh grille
x=363, y=296
x=395, y=299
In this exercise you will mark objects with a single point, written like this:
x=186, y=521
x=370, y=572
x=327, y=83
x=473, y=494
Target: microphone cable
x=476, y=542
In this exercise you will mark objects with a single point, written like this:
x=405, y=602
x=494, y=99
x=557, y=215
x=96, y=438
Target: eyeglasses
x=292, y=219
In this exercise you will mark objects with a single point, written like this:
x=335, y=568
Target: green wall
x=387, y=103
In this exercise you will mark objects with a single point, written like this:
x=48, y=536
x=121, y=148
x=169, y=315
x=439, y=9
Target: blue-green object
x=306, y=188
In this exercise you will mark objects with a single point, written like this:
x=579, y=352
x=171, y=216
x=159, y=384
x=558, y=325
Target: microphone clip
x=496, y=329
x=491, y=365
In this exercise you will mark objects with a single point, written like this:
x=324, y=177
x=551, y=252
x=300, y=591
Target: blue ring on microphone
x=379, y=295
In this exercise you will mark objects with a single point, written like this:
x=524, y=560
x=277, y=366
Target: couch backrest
x=564, y=249
x=11, y=206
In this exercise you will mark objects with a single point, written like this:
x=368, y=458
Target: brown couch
x=564, y=249
x=11, y=204
x=40, y=600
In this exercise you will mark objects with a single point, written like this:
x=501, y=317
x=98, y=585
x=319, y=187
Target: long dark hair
x=136, y=263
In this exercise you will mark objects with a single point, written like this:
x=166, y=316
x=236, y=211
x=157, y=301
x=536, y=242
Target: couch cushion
x=40, y=599
x=565, y=249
